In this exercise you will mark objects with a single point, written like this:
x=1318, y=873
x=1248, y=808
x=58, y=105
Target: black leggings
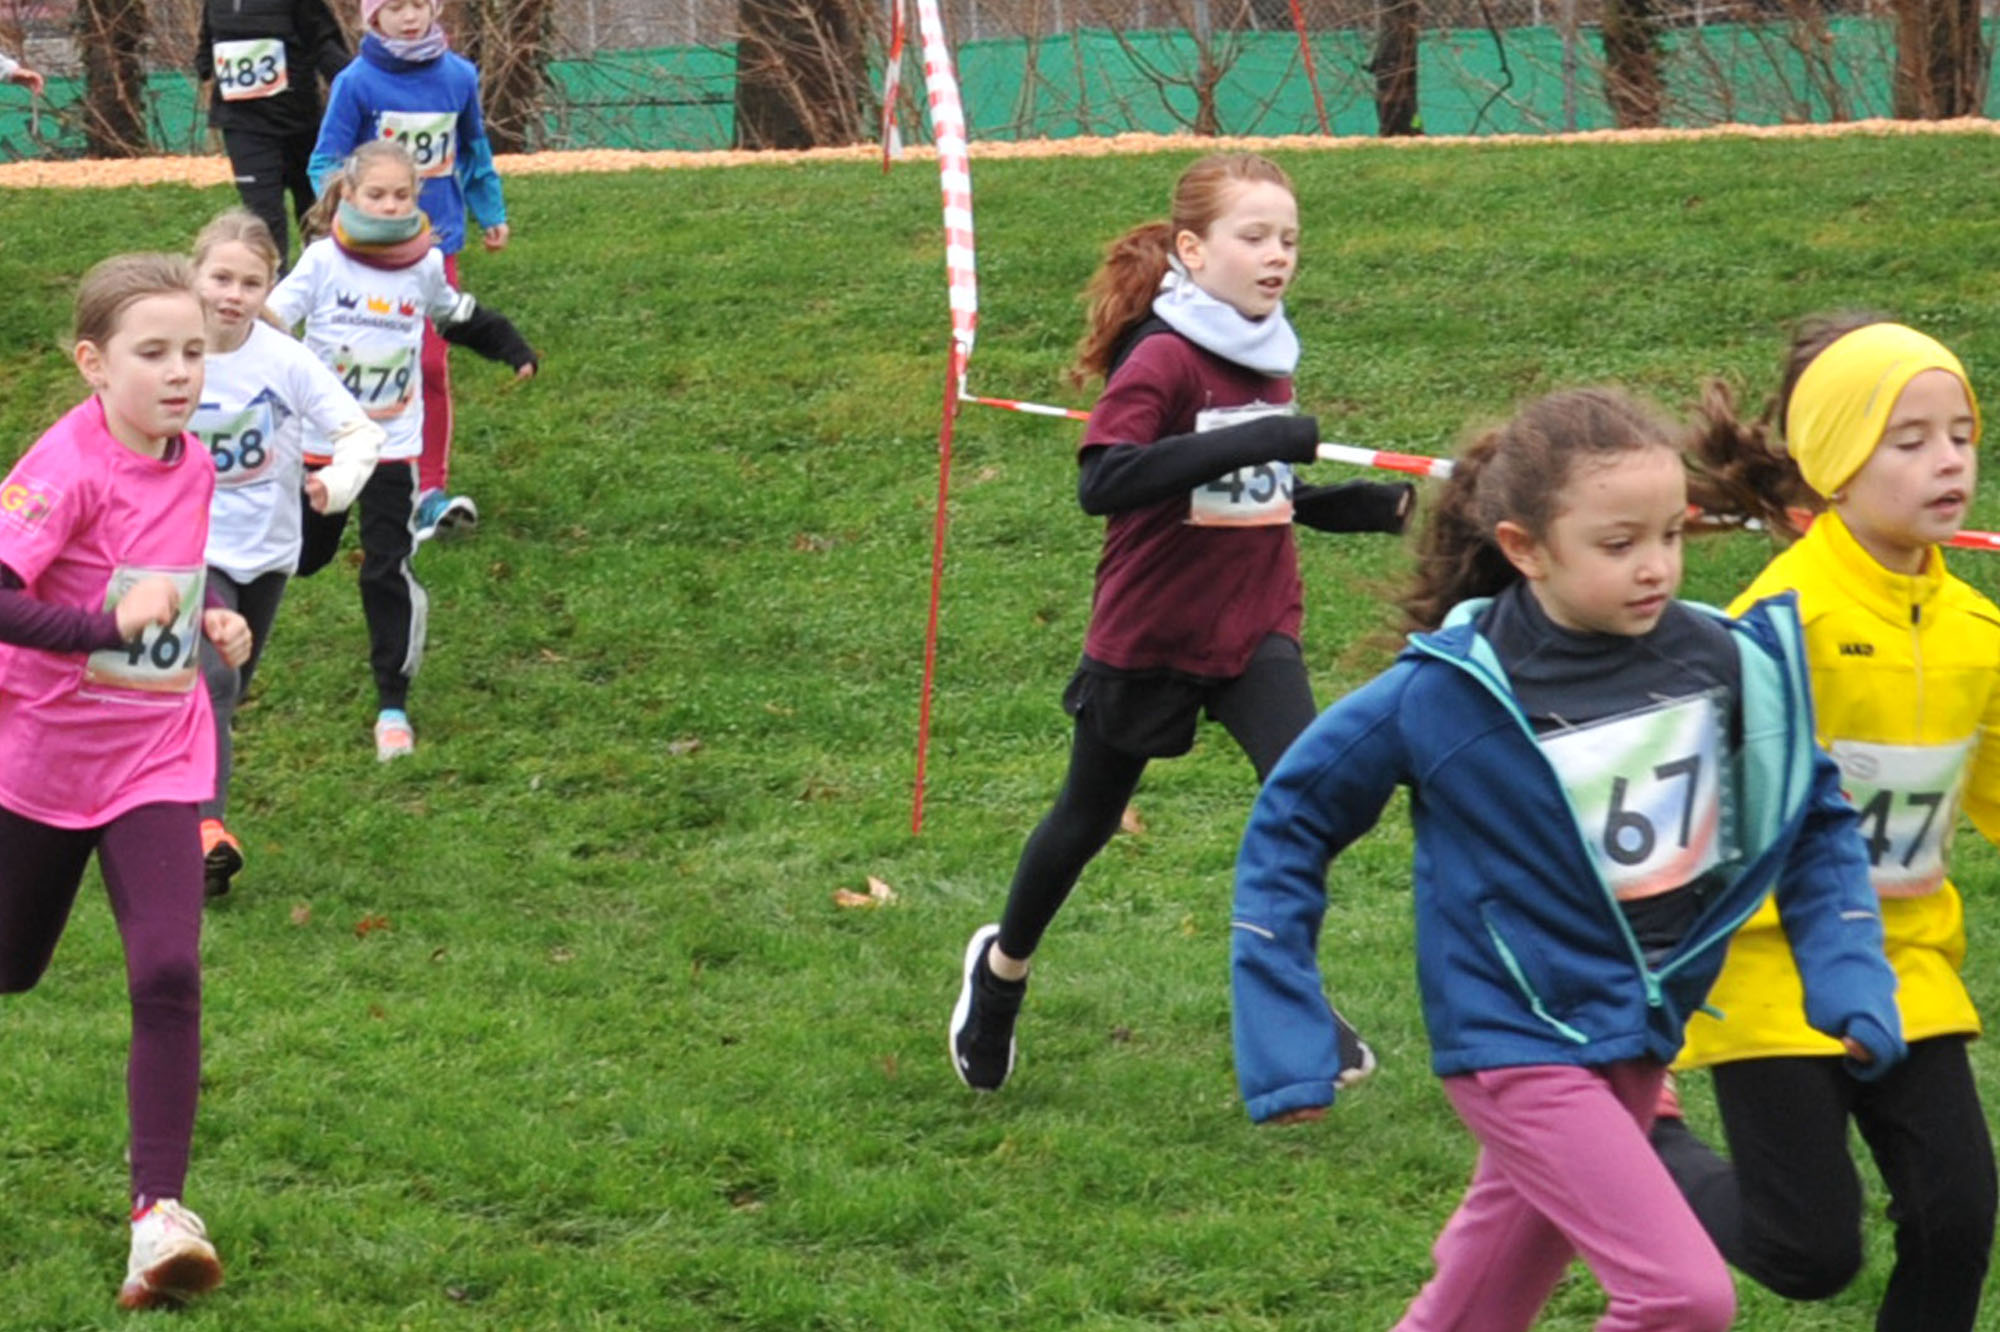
x=1788, y=1210
x=1265, y=709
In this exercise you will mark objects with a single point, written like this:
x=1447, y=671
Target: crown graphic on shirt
x=379, y=305
x=345, y=301
x=406, y=308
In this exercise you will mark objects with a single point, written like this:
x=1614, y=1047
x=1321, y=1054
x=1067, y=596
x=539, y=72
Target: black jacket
x=315, y=48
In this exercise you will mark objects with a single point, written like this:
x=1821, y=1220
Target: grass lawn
x=556, y=1026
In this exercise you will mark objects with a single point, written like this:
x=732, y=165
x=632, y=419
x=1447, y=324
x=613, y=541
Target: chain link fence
x=654, y=74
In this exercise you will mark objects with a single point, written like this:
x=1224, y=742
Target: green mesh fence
x=1471, y=81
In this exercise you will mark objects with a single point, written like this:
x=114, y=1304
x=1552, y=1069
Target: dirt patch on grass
x=207, y=171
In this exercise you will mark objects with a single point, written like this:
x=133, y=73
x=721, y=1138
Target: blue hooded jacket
x=1523, y=955
x=378, y=81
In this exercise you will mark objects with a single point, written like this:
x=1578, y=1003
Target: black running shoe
x=1357, y=1061
x=982, y=1024
x=221, y=858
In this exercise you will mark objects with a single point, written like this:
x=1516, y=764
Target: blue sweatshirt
x=378, y=85
x=1523, y=955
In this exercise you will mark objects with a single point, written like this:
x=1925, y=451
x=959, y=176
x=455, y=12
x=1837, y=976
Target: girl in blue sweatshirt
x=408, y=85
x=1604, y=783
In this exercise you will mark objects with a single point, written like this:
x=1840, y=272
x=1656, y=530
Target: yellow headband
x=1841, y=404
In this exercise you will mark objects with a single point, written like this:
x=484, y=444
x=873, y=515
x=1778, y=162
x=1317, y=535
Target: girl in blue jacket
x=408, y=85
x=1604, y=783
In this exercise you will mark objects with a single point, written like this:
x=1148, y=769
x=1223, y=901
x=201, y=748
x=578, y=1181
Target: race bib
x=430, y=136
x=162, y=659
x=1255, y=496
x=238, y=443
x=1908, y=798
x=247, y=70
x=384, y=384
x=1651, y=791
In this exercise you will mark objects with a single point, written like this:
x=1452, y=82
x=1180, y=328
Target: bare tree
x=1217, y=49
x=509, y=41
x=800, y=79
x=1941, y=62
x=1395, y=69
x=111, y=36
x=1632, y=81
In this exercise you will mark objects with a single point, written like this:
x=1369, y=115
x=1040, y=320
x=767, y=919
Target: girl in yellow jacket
x=1880, y=425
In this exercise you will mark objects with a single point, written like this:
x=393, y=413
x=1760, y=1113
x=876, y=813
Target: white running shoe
x=172, y=1259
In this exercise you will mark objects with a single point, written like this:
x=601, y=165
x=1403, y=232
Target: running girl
x=1604, y=783
x=261, y=388
x=1188, y=456
x=364, y=294
x=1880, y=424
x=409, y=85
x=102, y=529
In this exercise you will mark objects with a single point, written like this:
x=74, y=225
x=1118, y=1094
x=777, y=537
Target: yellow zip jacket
x=1906, y=695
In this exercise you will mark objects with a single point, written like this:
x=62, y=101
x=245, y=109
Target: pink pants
x=1564, y=1171
x=434, y=466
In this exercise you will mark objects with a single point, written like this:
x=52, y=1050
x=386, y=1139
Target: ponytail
x=1120, y=295
x=1741, y=471
x=317, y=224
x=1456, y=555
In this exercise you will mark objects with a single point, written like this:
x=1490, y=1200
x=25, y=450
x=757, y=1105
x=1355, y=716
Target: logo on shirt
x=26, y=502
x=1857, y=649
x=380, y=305
x=345, y=301
x=406, y=308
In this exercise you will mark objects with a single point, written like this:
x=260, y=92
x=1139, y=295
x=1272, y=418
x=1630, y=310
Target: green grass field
x=604, y=1053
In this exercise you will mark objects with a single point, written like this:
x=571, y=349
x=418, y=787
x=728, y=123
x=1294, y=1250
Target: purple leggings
x=151, y=858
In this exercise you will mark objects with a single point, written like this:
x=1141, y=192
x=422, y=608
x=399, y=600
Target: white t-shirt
x=256, y=403
x=366, y=324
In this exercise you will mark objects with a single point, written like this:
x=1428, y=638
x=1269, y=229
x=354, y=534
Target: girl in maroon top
x=1188, y=456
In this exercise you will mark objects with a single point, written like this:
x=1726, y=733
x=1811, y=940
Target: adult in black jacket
x=266, y=58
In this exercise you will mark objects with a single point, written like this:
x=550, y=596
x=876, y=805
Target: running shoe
x=1357, y=1061
x=172, y=1260
x=221, y=857
x=982, y=1024
x=394, y=736
x=442, y=515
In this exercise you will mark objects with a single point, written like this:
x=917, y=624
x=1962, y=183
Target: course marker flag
x=947, y=116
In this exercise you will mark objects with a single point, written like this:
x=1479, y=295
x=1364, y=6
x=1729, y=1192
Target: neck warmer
x=381, y=242
x=421, y=51
x=1267, y=345
x=1841, y=404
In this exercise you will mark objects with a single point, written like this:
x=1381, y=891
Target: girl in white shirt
x=261, y=389
x=363, y=294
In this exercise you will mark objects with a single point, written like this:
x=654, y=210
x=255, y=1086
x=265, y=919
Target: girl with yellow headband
x=1879, y=425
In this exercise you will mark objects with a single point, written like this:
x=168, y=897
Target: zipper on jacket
x=1917, y=656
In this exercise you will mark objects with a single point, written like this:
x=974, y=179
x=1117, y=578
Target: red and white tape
x=947, y=115
x=892, y=85
x=1416, y=464
x=955, y=177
